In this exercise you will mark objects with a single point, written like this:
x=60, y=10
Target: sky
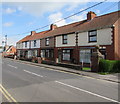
x=18, y=19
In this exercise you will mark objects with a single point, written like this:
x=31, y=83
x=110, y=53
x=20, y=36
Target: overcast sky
x=17, y=18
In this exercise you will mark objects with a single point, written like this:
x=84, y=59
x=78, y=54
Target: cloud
x=10, y=10
x=73, y=6
x=78, y=17
x=37, y=9
x=9, y=40
x=57, y=0
x=19, y=8
x=8, y=24
x=56, y=17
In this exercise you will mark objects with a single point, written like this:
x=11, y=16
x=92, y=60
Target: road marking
x=33, y=73
x=87, y=92
x=68, y=73
x=7, y=94
x=12, y=66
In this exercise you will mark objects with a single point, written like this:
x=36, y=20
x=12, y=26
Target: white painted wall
x=28, y=45
x=71, y=41
x=19, y=46
x=37, y=44
x=104, y=37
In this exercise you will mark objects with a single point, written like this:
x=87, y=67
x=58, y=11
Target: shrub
x=109, y=66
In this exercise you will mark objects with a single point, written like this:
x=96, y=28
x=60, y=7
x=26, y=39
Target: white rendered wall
x=104, y=37
x=71, y=41
x=37, y=44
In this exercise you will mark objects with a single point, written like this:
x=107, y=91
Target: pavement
x=108, y=77
x=24, y=82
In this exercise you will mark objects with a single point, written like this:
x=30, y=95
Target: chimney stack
x=53, y=26
x=91, y=15
x=33, y=32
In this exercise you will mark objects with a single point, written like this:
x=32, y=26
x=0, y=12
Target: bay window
x=85, y=55
x=66, y=55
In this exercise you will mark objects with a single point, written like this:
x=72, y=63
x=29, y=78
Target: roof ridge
x=68, y=27
x=107, y=14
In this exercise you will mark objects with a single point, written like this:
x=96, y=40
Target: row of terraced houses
x=74, y=43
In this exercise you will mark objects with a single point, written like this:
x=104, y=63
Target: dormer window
x=64, y=39
x=92, y=36
x=47, y=41
x=34, y=43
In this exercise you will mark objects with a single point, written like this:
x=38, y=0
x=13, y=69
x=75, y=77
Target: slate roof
x=98, y=22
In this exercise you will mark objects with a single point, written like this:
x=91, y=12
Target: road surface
x=29, y=83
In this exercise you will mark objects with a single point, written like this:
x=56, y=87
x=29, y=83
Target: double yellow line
x=7, y=94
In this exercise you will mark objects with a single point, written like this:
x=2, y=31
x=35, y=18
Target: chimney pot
x=91, y=15
x=33, y=32
x=53, y=26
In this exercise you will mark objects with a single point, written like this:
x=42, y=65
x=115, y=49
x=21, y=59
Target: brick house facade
x=74, y=43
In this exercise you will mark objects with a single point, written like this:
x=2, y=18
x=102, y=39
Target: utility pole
x=5, y=43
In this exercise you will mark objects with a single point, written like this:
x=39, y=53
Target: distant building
x=10, y=51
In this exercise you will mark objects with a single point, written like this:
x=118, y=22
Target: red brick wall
x=110, y=52
x=51, y=43
x=117, y=40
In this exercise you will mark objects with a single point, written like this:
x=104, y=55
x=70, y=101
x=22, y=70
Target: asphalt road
x=29, y=83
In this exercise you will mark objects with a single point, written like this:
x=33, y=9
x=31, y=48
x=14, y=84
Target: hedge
x=111, y=66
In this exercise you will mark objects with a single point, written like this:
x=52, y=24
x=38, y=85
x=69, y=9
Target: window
x=92, y=36
x=25, y=44
x=42, y=53
x=21, y=54
x=47, y=41
x=64, y=38
x=47, y=54
x=85, y=55
x=29, y=54
x=35, y=53
x=18, y=53
x=34, y=43
x=66, y=55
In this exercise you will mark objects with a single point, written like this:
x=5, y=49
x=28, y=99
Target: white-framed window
x=34, y=52
x=29, y=54
x=92, y=36
x=25, y=44
x=48, y=53
x=35, y=42
x=85, y=55
x=66, y=55
x=47, y=41
x=42, y=53
x=64, y=39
